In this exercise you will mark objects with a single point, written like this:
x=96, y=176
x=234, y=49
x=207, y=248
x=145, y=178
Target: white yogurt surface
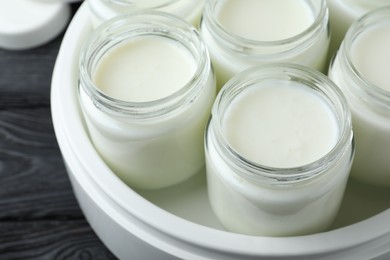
x=280, y=124
x=144, y=69
x=265, y=20
x=370, y=54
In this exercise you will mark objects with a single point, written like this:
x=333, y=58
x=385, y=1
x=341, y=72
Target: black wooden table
x=39, y=215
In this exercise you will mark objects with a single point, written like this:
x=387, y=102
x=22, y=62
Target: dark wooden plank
x=33, y=180
x=50, y=240
x=39, y=216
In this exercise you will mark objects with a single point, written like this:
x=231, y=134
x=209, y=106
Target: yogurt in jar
x=144, y=69
x=361, y=70
x=103, y=10
x=278, y=151
x=272, y=125
x=244, y=33
x=373, y=48
x=264, y=20
x=146, y=90
x=342, y=13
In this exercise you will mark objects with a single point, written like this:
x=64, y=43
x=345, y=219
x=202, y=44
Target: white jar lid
x=29, y=23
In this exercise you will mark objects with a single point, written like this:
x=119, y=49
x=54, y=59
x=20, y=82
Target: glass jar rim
x=142, y=3
x=136, y=24
x=284, y=71
x=364, y=3
x=375, y=93
x=243, y=45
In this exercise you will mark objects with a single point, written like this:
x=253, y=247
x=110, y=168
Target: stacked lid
x=27, y=24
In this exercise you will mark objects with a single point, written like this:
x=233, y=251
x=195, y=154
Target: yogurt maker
x=177, y=222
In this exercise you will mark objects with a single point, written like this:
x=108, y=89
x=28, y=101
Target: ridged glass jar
x=370, y=104
x=231, y=53
x=342, y=13
x=257, y=199
x=157, y=143
x=102, y=10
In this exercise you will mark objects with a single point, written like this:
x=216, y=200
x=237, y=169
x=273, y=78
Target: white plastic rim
x=28, y=23
x=162, y=230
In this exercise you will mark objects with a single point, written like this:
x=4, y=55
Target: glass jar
x=231, y=53
x=102, y=10
x=342, y=13
x=257, y=198
x=370, y=103
x=155, y=143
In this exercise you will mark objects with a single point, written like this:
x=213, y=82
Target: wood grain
x=50, y=240
x=39, y=215
x=25, y=76
x=33, y=178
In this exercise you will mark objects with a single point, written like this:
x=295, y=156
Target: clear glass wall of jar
x=156, y=143
x=370, y=103
x=258, y=199
x=342, y=13
x=102, y=10
x=232, y=53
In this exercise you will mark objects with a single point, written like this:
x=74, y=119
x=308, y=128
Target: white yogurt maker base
x=178, y=222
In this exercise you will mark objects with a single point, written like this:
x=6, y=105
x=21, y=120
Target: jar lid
x=29, y=23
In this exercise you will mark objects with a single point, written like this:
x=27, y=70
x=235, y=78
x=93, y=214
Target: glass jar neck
x=366, y=5
x=140, y=4
x=264, y=50
x=143, y=23
x=285, y=72
x=361, y=87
